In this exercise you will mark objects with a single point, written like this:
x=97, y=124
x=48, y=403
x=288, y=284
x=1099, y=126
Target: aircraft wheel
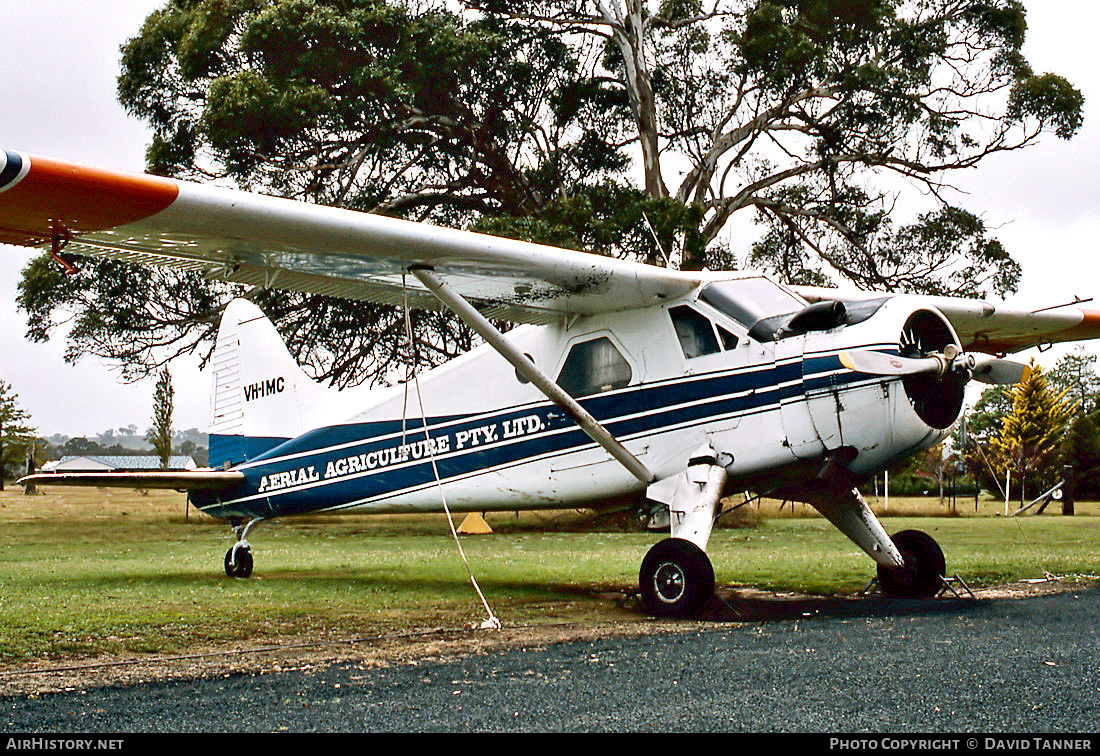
x=922, y=575
x=243, y=566
x=676, y=578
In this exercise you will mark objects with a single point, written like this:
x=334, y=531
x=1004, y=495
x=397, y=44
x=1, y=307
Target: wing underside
x=271, y=242
x=264, y=241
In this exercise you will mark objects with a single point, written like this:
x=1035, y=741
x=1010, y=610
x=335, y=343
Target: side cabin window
x=696, y=333
x=593, y=367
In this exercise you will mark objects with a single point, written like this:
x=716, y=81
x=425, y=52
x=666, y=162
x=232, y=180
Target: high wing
x=267, y=241
x=994, y=329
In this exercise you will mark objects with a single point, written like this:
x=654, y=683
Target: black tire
x=676, y=579
x=922, y=575
x=243, y=566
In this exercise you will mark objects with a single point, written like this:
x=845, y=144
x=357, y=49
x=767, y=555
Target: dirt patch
x=731, y=605
x=256, y=659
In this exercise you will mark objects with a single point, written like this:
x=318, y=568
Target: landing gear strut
x=922, y=575
x=238, y=560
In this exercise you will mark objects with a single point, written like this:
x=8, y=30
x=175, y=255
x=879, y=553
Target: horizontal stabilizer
x=189, y=480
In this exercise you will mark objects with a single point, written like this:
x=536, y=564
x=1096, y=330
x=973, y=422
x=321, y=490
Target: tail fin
x=260, y=395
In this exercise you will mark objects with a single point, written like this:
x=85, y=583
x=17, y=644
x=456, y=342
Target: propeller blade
x=984, y=368
x=880, y=363
x=989, y=369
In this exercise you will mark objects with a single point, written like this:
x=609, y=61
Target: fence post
x=1069, y=489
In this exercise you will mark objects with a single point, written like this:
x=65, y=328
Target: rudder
x=260, y=396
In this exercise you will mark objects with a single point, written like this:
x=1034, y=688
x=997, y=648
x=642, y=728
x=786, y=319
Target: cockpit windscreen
x=749, y=300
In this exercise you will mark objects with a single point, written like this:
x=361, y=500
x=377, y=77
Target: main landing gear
x=676, y=579
x=922, y=576
x=238, y=560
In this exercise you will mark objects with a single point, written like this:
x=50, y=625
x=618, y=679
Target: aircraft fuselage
x=659, y=386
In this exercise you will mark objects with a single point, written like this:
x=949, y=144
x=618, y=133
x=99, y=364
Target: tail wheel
x=238, y=565
x=922, y=575
x=676, y=578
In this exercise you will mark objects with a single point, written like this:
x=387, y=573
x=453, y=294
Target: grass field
x=88, y=572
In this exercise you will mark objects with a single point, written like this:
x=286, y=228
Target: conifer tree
x=1031, y=433
x=160, y=435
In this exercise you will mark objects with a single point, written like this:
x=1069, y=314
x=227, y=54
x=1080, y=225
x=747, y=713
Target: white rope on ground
x=1038, y=561
x=491, y=622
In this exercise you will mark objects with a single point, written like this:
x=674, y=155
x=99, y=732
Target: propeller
x=984, y=368
x=990, y=369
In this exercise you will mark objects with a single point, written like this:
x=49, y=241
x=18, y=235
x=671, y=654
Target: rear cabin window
x=593, y=367
x=694, y=331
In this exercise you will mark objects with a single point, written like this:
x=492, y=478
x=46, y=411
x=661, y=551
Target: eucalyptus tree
x=806, y=111
x=1075, y=373
x=626, y=127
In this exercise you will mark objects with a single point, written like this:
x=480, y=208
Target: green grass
x=91, y=572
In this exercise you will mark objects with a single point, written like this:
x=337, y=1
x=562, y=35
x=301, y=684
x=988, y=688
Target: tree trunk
x=630, y=40
x=30, y=488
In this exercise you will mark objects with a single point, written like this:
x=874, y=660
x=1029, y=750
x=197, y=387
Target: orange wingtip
x=41, y=196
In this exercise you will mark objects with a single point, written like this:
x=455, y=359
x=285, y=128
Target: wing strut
x=471, y=317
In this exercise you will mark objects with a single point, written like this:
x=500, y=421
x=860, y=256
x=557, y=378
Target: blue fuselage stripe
x=343, y=465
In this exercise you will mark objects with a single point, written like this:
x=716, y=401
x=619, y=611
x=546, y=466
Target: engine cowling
x=937, y=399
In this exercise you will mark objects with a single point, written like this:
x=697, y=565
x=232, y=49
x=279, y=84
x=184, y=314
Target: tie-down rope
x=491, y=622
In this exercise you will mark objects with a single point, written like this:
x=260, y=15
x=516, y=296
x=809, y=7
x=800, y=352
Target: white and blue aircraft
x=627, y=383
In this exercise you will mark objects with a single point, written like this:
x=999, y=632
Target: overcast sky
x=60, y=60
